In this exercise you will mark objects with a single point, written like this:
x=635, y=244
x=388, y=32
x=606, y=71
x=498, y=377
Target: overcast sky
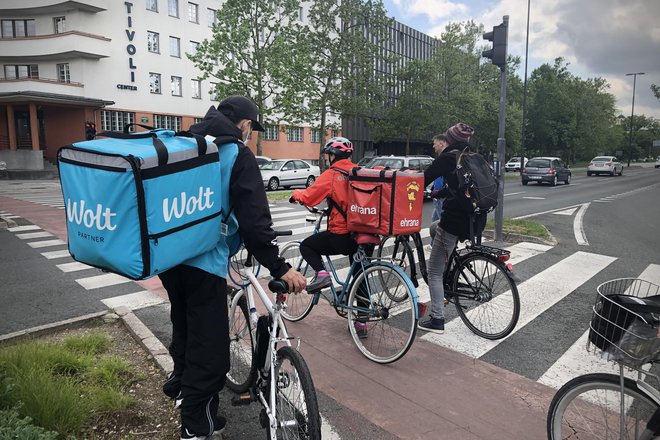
x=598, y=38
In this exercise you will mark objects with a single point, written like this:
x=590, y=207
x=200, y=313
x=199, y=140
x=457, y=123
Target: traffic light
x=90, y=130
x=499, y=38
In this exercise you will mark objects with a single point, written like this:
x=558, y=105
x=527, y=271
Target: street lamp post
x=632, y=114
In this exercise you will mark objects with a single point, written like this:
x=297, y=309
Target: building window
x=193, y=47
x=176, y=86
x=196, y=88
x=175, y=47
x=212, y=17
x=116, y=121
x=213, y=92
x=197, y=120
x=59, y=24
x=316, y=136
x=193, y=13
x=154, y=82
x=168, y=122
x=295, y=134
x=153, y=42
x=152, y=5
x=173, y=8
x=300, y=14
x=272, y=132
x=18, y=28
x=334, y=133
x=63, y=74
x=15, y=71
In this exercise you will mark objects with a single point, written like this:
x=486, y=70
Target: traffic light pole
x=501, y=144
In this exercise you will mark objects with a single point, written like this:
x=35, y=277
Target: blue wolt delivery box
x=139, y=204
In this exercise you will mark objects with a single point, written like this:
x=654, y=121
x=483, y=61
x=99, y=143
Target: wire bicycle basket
x=625, y=322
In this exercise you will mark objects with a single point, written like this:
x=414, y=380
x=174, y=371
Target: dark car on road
x=546, y=169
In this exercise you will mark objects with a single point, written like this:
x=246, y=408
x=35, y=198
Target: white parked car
x=287, y=173
x=261, y=160
x=657, y=162
x=514, y=164
x=605, y=165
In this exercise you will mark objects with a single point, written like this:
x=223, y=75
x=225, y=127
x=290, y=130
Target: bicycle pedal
x=243, y=399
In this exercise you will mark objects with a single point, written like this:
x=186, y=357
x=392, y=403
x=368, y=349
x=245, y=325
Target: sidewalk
x=432, y=393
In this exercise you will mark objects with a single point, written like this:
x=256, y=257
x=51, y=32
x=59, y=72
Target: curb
x=136, y=328
x=510, y=237
x=6, y=223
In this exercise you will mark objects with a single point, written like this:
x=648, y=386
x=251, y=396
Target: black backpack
x=475, y=175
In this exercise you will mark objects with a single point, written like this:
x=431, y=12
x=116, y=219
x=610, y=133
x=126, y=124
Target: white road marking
x=133, y=301
x=12, y=216
x=566, y=212
x=46, y=243
x=537, y=294
x=73, y=267
x=513, y=194
x=34, y=235
x=23, y=228
x=534, y=198
x=280, y=208
x=108, y=279
x=56, y=254
x=578, y=226
x=545, y=212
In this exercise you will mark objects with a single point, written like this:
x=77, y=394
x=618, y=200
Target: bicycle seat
x=363, y=238
x=278, y=286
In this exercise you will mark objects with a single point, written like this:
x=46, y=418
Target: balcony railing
x=70, y=44
x=43, y=80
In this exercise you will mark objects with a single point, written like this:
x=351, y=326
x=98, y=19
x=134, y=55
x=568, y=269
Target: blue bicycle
x=375, y=294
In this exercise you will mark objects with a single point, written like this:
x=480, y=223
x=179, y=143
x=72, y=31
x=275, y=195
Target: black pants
x=200, y=342
x=326, y=243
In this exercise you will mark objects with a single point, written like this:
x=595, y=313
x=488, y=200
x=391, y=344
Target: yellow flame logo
x=412, y=188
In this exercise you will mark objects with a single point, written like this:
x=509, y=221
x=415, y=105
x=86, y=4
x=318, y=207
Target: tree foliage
x=255, y=52
x=342, y=41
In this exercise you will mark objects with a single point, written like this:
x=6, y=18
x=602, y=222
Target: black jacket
x=247, y=193
x=457, y=209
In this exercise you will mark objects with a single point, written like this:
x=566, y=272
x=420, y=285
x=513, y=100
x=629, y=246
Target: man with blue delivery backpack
x=197, y=289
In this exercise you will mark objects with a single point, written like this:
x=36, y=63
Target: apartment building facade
x=110, y=63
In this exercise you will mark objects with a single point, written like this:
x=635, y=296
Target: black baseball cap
x=242, y=108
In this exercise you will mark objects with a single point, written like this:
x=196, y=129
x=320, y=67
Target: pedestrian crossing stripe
x=105, y=280
x=23, y=228
x=56, y=254
x=72, y=267
x=30, y=235
x=537, y=294
x=133, y=301
x=45, y=243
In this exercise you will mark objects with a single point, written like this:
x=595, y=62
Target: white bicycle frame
x=271, y=356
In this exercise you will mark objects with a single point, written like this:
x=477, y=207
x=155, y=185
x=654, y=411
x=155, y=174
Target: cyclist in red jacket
x=332, y=185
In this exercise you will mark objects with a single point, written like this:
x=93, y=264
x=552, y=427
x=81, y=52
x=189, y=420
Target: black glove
x=292, y=200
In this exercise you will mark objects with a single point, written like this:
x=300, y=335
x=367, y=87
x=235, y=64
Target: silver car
x=546, y=169
x=605, y=165
x=288, y=172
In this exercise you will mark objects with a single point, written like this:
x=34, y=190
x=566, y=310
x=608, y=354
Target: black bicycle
x=477, y=280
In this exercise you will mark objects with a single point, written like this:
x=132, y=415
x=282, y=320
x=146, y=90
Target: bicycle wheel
x=589, y=407
x=297, y=305
x=385, y=310
x=297, y=410
x=486, y=297
x=397, y=250
x=242, y=368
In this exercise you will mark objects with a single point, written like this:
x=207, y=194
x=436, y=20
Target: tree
x=255, y=52
x=410, y=114
x=656, y=90
x=342, y=44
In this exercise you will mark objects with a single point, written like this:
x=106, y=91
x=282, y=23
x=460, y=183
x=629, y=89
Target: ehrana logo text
x=100, y=219
x=363, y=210
x=185, y=204
x=408, y=222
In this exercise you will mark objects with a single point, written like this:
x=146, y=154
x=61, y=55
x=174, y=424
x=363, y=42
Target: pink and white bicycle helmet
x=339, y=146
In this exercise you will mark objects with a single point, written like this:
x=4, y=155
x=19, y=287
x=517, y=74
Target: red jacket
x=330, y=184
